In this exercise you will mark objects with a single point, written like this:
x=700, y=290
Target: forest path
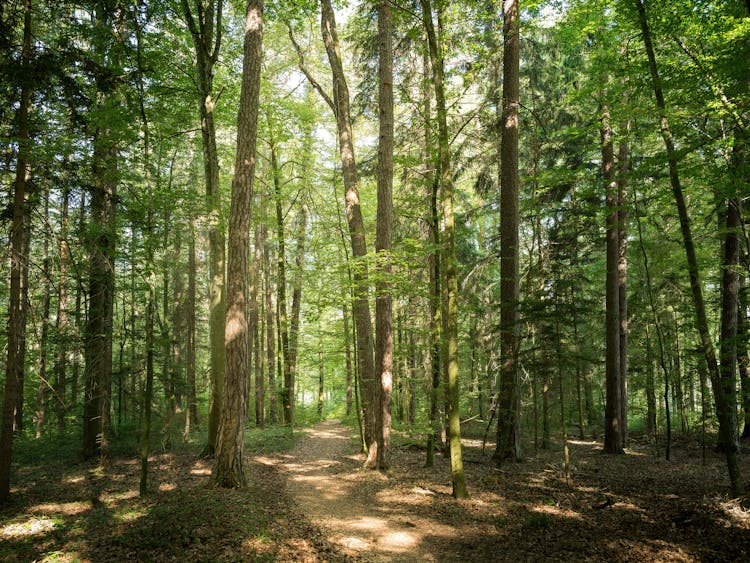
x=355, y=509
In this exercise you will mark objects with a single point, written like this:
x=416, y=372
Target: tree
x=508, y=419
x=16, y=317
x=383, y=306
x=613, y=430
x=207, y=35
x=727, y=432
x=228, y=468
x=450, y=322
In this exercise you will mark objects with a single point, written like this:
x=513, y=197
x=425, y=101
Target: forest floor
x=314, y=503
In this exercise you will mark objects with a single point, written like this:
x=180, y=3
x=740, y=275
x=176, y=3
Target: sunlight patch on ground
x=200, y=468
x=402, y=540
x=583, y=442
x=556, y=511
x=30, y=527
x=167, y=486
x=74, y=479
x=130, y=515
x=110, y=498
x=67, y=508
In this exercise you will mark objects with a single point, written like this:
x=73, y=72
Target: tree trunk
x=727, y=421
x=296, y=307
x=509, y=399
x=360, y=305
x=191, y=413
x=622, y=277
x=62, y=315
x=44, y=382
x=228, y=469
x=383, y=304
x=256, y=325
x=207, y=34
x=16, y=320
x=286, y=393
x=270, y=324
x=450, y=322
x=613, y=432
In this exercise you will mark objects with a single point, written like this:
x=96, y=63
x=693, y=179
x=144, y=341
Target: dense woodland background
x=119, y=138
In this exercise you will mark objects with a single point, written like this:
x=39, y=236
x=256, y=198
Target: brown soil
x=315, y=503
x=617, y=508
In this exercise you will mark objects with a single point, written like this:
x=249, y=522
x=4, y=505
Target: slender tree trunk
x=62, y=315
x=347, y=354
x=270, y=324
x=450, y=321
x=360, y=305
x=16, y=320
x=228, y=469
x=206, y=32
x=657, y=325
x=255, y=324
x=650, y=388
x=579, y=398
x=743, y=357
x=613, y=432
x=728, y=347
x=44, y=382
x=284, y=359
x=563, y=422
x=509, y=399
x=191, y=413
x=383, y=304
x=296, y=306
x=622, y=277
x=701, y=318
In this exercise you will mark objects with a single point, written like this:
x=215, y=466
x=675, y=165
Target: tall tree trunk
x=270, y=324
x=256, y=325
x=509, y=399
x=622, y=276
x=613, y=433
x=16, y=320
x=743, y=355
x=62, y=315
x=347, y=354
x=728, y=347
x=207, y=34
x=360, y=306
x=432, y=238
x=191, y=412
x=286, y=391
x=383, y=305
x=228, y=468
x=727, y=422
x=44, y=382
x=294, y=320
x=450, y=322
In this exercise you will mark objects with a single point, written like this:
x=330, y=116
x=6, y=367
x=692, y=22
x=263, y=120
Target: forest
x=317, y=280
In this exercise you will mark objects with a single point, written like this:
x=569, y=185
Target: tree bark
x=16, y=318
x=450, y=322
x=623, y=158
x=62, y=314
x=44, y=382
x=294, y=320
x=724, y=410
x=191, y=413
x=383, y=301
x=207, y=35
x=360, y=305
x=613, y=433
x=228, y=468
x=509, y=400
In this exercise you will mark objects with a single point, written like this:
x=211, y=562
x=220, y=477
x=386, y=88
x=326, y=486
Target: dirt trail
x=352, y=507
